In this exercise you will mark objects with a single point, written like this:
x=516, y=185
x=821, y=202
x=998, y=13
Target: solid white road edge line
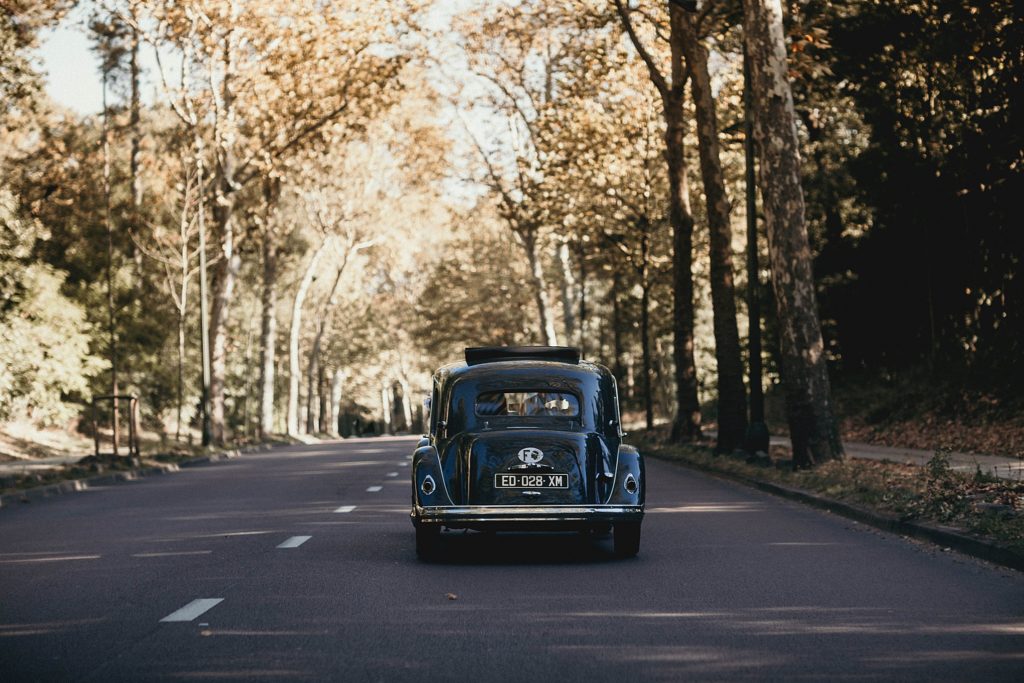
x=294, y=541
x=374, y=489
x=346, y=508
x=193, y=609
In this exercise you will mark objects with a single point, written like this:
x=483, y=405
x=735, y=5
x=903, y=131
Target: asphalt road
x=191, y=577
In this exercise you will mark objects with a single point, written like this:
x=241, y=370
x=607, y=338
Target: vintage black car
x=526, y=438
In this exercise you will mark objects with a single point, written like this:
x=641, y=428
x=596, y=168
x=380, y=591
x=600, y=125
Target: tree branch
x=656, y=76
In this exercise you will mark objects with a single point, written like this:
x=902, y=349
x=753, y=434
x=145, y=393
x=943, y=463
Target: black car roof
x=518, y=368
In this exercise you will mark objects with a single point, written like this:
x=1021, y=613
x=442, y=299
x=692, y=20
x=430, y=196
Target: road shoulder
x=1004, y=551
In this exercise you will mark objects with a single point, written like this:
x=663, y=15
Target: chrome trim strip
x=501, y=511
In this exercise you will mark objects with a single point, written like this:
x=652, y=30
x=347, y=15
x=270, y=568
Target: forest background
x=379, y=185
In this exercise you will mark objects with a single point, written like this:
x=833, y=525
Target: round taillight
x=630, y=484
x=428, y=486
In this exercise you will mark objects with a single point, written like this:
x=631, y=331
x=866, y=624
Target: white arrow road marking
x=374, y=489
x=346, y=508
x=294, y=541
x=193, y=609
x=392, y=474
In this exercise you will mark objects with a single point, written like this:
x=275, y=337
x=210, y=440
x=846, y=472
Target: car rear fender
x=629, y=467
x=426, y=464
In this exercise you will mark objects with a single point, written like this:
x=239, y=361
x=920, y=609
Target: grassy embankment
x=913, y=409
x=25, y=445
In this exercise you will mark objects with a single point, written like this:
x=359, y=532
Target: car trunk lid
x=531, y=467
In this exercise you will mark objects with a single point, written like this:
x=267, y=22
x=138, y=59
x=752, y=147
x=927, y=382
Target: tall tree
x=686, y=424
x=732, y=396
x=812, y=424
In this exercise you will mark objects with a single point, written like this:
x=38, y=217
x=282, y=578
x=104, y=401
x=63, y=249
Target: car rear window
x=528, y=404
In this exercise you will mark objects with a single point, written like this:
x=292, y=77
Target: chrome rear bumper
x=485, y=514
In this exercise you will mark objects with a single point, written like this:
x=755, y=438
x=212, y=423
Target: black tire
x=626, y=537
x=428, y=541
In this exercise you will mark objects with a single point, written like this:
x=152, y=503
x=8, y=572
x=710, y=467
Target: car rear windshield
x=528, y=404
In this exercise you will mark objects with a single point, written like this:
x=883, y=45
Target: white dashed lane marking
x=63, y=558
x=183, y=552
x=374, y=489
x=346, y=508
x=193, y=609
x=294, y=541
x=392, y=474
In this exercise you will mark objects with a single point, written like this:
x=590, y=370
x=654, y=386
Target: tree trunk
x=385, y=407
x=322, y=326
x=247, y=386
x=686, y=425
x=312, y=372
x=181, y=301
x=295, y=329
x=134, y=119
x=225, y=192
x=336, y=386
x=204, y=296
x=568, y=283
x=812, y=424
x=223, y=293
x=618, y=367
x=111, y=308
x=582, y=321
x=540, y=288
x=406, y=402
x=323, y=418
x=631, y=376
x=181, y=371
x=732, y=396
x=661, y=378
x=759, y=437
x=268, y=333
x=645, y=344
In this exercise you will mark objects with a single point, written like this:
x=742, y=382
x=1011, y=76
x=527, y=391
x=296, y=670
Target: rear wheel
x=626, y=537
x=428, y=540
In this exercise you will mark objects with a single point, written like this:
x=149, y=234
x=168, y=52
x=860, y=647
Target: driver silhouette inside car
x=537, y=404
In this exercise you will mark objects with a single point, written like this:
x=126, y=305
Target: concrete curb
x=948, y=537
x=41, y=493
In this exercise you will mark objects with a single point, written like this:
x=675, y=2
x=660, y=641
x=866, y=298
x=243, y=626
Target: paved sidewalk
x=999, y=466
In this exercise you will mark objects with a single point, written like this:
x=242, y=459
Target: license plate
x=531, y=481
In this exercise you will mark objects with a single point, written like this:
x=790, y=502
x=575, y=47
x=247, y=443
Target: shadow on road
x=474, y=548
